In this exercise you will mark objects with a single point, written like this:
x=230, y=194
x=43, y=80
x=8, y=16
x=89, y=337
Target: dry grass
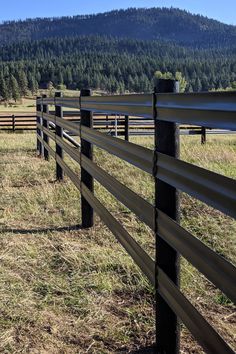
x=24, y=105
x=28, y=104
x=66, y=290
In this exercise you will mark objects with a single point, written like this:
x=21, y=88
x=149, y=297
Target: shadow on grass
x=42, y=230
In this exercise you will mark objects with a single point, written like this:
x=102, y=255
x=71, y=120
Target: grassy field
x=25, y=105
x=67, y=290
x=28, y=104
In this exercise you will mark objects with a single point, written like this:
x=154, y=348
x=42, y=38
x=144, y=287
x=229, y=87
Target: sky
x=224, y=11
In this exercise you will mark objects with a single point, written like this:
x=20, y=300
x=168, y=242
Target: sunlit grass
x=77, y=291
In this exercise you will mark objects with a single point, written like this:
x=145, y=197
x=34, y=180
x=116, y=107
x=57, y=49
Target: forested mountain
x=146, y=24
x=111, y=63
x=115, y=65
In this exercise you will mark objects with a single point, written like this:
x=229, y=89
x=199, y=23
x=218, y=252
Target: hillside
x=144, y=24
x=113, y=65
x=75, y=52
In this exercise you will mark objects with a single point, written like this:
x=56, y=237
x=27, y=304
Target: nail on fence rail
x=168, y=108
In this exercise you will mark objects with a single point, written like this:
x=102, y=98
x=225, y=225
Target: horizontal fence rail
x=132, y=153
x=131, y=200
x=212, y=110
x=211, y=188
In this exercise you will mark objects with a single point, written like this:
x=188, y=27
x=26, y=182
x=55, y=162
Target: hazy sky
x=224, y=11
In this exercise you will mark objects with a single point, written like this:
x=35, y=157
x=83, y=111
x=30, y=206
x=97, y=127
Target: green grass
x=76, y=291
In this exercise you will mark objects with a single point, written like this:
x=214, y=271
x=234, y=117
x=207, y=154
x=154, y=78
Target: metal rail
x=214, y=189
x=132, y=153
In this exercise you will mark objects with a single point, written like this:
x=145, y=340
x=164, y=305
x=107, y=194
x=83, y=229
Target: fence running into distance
x=168, y=108
x=113, y=124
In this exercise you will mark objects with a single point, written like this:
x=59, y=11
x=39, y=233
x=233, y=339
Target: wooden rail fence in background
x=113, y=124
x=17, y=121
x=167, y=108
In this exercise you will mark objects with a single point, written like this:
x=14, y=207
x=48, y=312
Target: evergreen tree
x=68, y=76
x=23, y=83
x=182, y=81
x=3, y=88
x=15, y=92
x=197, y=85
x=33, y=85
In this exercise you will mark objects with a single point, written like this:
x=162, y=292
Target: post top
x=85, y=92
x=58, y=94
x=166, y=85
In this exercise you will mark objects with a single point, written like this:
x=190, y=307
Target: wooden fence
x=168, y=108
x=113, y=124
x=21, y=121
x=17, y=121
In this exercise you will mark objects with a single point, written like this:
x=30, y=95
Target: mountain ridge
x=117, y=52
x=166, y=24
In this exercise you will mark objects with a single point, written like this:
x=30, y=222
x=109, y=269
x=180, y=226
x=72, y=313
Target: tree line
x=18, y=86
x=109, y=64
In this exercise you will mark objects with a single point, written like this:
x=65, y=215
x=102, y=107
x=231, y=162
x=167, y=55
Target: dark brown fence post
x=13, y=123
x=107, y=121
x=127, y=128
x=203, y=136
x=116, y=131
x=45, y=136
x=166, y=200
x=59, y=133
x=38, y=130
x=86, y=178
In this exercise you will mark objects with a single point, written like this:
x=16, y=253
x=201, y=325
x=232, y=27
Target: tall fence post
x=166, y=200
x=203, y=135
x=86, y=178
x=38, y=130
x=59, y=133
x=107, y=121
x=13, y=123
x=116, y=131
x=45, y=136
x=127, y=128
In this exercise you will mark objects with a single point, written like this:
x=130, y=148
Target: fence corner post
x=86, y=178
x=59, y=133
x=167, y=201
x=45, y=136
x=38, y=122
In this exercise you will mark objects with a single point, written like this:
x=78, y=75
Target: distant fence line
x=167, y=108
x=116, y=125
x=17, y=121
